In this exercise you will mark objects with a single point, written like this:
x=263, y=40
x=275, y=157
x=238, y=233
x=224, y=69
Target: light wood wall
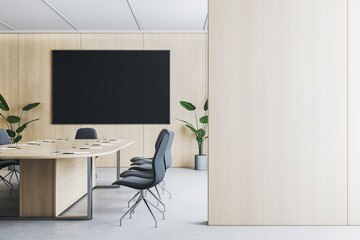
x=26, y=77
x=354, y=112
x=278, y=112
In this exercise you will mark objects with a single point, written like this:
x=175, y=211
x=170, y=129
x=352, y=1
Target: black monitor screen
x=110, y=87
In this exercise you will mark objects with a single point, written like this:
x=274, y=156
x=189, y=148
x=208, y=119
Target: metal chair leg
x=7, y=183
x=133, y=198
x=164, y=189
x=150, y=212
x=157, y=199
x=156, y=208
x=132, y=208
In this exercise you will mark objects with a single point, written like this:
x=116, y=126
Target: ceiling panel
x=31, y=15
x=97, y=14
x=2, y=27
x=171, y=14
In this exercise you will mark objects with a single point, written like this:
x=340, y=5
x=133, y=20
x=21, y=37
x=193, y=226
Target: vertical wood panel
x=35, y=81
x=133, y=132
x=278, y=107
x=354, y=113
x=9, y=81
x=37, y=188
x=188, y=83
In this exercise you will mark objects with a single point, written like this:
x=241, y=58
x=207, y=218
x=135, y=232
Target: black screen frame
x=167, y=122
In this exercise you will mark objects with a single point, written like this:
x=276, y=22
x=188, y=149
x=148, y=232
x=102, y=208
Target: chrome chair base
x=7, y=183
x=147, y=203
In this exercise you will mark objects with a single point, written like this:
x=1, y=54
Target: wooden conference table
x=54, y=174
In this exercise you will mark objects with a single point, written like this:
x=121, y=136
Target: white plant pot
x=201, y=162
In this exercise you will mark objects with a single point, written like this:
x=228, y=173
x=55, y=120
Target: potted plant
x=199, y=132
x=13, y=122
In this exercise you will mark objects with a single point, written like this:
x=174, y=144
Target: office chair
x=144, y=184
x=157, y=143
x=6, y=163
x=86, y=133
x=143, y=167
x=5, y=140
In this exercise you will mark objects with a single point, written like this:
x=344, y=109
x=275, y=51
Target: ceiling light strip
x=206, y=22
x=60, y=14
x=11, y=28
x=135, y=15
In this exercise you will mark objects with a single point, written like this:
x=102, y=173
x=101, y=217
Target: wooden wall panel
x=133, y=132
x=188, y=83
x=9, y=81
x=354, y=113
x=278, y=112
x=35, y=81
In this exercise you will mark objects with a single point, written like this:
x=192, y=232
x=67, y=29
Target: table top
x=55, y=149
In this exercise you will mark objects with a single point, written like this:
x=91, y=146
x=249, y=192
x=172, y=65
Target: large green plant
x=200, y=132
x=13, y=122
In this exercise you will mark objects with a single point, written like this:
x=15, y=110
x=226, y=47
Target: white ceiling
x=103, y=15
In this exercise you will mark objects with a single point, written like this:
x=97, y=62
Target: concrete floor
x=186, y=218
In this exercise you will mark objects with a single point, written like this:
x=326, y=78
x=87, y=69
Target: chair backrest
x=168, y=156
x=159, y=138
x=4, y=137
x=158, y=165
x=86, y=133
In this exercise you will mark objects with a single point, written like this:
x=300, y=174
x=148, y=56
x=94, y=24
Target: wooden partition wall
x=278, y=93
x=25, y=76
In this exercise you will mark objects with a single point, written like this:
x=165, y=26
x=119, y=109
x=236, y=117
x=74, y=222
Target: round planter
x=200, y=162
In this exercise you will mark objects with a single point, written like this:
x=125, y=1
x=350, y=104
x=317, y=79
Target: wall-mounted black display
x=110, y=87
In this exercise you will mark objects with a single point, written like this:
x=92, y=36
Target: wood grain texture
x=188, y=82
x=9, y=81
x=354, y=113
x=134, y=132
x=37, y=188
x=35, y=81
x=278, y=100
x=71, y=182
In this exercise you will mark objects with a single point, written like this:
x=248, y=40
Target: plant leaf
x=206, y=105
x=3, y=104
x=30, y=106
x=183, y=121
x=32, y=121
x=17, y=139
x=21, y=128
x=11, y=133
x=199, y=139
x=13, y=119
x=187, y=105
x=191, y=128
x=201, y=133
x=204, y=119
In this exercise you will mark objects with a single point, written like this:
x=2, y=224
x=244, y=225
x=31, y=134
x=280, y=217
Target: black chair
x=144, y=166
x=144, y=184
x=86, y=133
x=141, y=160
x=5, y=140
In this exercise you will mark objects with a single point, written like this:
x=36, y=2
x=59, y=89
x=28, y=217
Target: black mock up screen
x=110, y=87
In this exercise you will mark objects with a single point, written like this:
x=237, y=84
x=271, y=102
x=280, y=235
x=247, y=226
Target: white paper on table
x=105, y=144
x=5, y=148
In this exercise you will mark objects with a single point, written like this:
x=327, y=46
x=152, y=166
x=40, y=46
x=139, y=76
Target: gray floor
x=186, y=218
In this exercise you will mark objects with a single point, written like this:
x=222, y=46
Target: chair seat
x=6, y=163
x=135, y=182
x=142, y=161
x=135, y=173
x=143, y=168
x=135, y=159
